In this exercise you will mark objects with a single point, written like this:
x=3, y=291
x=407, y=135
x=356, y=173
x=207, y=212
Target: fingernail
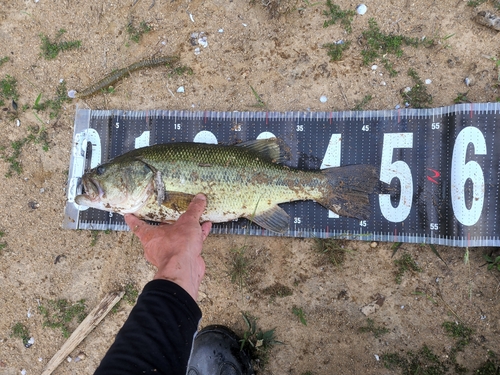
x=201, y=197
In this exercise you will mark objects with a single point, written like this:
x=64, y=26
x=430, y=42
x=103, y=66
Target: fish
x=246, y=180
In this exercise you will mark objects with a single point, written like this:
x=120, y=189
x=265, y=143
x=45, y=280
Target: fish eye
x=100, y=170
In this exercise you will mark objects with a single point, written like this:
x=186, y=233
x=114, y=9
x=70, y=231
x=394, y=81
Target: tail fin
x=350, y=187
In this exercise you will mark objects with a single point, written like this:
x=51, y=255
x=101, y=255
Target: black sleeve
x=157, y=336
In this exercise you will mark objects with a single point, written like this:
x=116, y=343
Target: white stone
x=323, y=99
x=361, y=9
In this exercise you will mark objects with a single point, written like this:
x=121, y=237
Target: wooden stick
x=85, y=327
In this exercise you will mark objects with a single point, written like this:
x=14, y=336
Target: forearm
x=157, y=336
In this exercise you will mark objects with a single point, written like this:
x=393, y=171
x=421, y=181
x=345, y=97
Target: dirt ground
x=276, y=49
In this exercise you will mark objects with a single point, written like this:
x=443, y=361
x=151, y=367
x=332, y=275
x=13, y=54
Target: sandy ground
x=276, y=49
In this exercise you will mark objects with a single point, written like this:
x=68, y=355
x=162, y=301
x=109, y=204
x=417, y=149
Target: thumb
x=133, y=222
x=195, y=209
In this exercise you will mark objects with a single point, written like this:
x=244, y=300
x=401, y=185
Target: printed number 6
x=461, y=171
x=400, y=170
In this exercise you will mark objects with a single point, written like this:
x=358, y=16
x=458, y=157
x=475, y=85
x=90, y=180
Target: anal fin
x=274, y=219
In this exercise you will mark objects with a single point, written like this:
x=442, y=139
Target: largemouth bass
x=246, y=180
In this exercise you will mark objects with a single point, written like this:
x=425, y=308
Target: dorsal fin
x=271, y=149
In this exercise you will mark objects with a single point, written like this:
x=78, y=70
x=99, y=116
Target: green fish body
x=246, y=180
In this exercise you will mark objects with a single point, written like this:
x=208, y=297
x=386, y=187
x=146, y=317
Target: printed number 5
x=400, y=170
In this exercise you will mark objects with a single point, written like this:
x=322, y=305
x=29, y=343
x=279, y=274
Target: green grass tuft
x=377, y=331
x=334, y=250
x=136, y=33
x=417, y=97
x=50, y=49
x=361, y=105
x=335, y=50
x=299, y=313
x=21, y=331
x=256, y=342
x=405, y=263
x=423, y=362
x=238, y=271
x=3, y=245
x=336, y=14
x=59, y=314
x=378, y=45
x=3, y=60
x=8, y=89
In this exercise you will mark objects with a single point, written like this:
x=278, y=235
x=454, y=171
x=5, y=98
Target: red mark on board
x=436, y=174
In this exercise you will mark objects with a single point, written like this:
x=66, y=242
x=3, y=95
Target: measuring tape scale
x=442, y=165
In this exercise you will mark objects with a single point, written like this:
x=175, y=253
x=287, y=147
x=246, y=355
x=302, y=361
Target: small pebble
x=428, y=81
x=397, y=106
x=197, y=51
x=69, y=359
x=221, y=30
x=373, y=245
x=361, y=9
x=323, y=99
x=42, y=190
x=180, y=89
x=23, y=372
x=374, y=67
x=467, y=81
x=72, y=94
x=383, y=83
x=407, y=89
x=33, y=205
x=377, y=357
x=18, y=122
x=30, y=342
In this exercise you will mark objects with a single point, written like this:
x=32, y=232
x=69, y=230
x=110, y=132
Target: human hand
x=175, y=249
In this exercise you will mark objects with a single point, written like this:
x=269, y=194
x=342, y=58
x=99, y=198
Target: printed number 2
x=400, y=170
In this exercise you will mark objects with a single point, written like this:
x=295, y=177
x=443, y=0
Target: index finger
x=195, y=209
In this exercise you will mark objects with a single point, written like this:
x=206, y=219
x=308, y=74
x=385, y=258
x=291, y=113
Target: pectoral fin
x=177, y=201
x=275, y=219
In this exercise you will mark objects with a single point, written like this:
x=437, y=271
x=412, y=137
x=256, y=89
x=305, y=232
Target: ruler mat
x=442, y=165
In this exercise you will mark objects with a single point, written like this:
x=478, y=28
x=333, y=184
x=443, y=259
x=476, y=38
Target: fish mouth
x=91, y=190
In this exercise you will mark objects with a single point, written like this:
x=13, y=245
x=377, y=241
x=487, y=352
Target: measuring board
x=442, y=165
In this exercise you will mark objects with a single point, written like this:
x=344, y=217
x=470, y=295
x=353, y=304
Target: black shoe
x=216, y=351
